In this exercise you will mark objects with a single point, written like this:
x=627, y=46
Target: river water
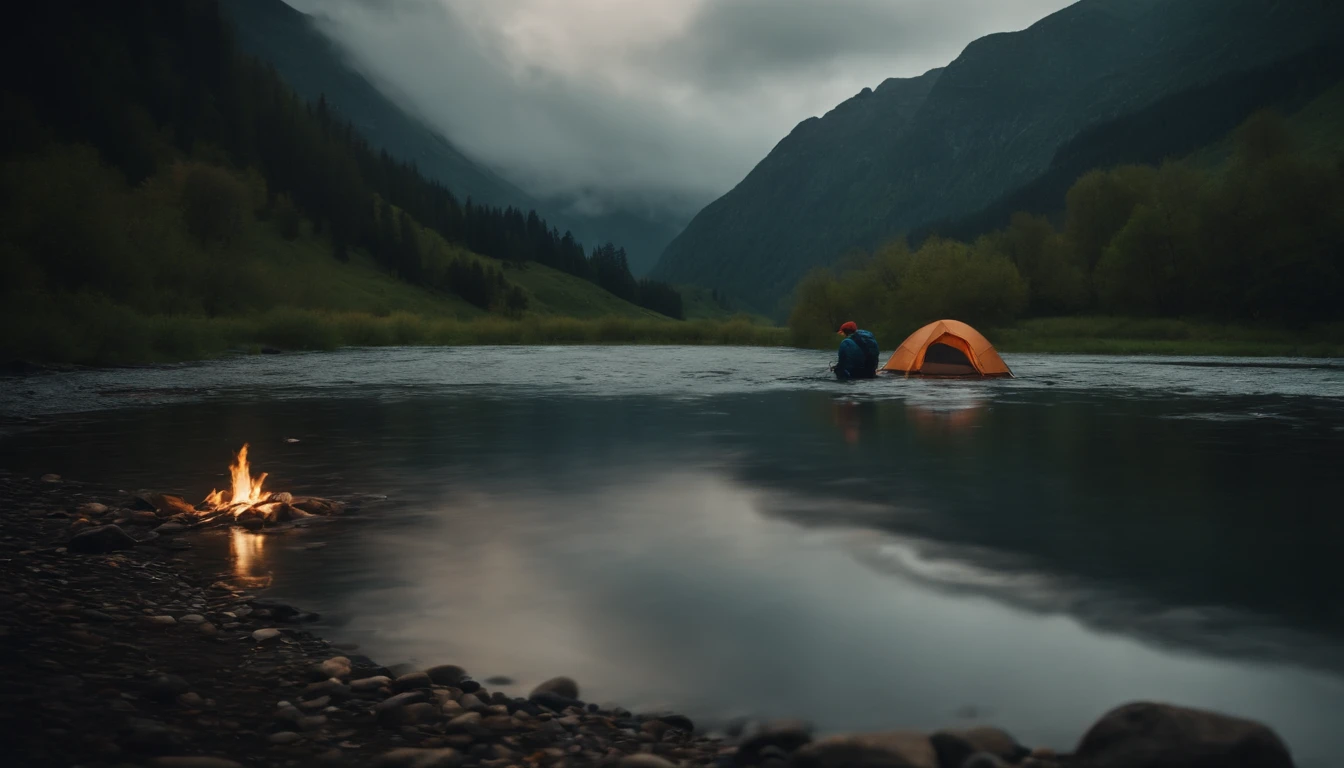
x=728, y=532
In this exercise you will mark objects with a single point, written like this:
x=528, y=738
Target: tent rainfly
x=947, y=348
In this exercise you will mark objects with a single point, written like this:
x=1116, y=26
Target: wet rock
x=417, y=713
x=191, y=700
x=411, y=682
x=161, y=621
x=89, y=614
x=956, y=746
x=284, y=737
x=462, y=722
x=280, y=611
x=51, y=478
x=207, y=629
x=144, y=517
x=310, y=722
x=370, y=684
x=99, y=540
x=558, y=686
x=645, y=760
x=446, y=674
x=191, y=618
x=891, y=749
x=167, y=687
x=470, y=703
x=1150, y=735
x=193, y=761
x=337, y=667
x=671, y=719
x=387, y=710
x=266, y=635
x=170, y=528
x=786, y=735
x=409, y=757
x=553, y=702
x=315, y=704
x=92, y=508
x=332, y=688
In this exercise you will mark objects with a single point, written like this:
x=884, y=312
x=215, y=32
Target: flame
x=246, y=489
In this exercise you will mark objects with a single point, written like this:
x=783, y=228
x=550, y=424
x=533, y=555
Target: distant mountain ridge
x=951, y=142
x=314, y=65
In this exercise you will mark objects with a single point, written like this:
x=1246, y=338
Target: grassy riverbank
x=101, y=333
x=1160, y=336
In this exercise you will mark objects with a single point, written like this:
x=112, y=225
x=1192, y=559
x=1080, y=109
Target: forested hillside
x=314, y=65
x=150, y=167
x=1254, y=241
x=945, y=145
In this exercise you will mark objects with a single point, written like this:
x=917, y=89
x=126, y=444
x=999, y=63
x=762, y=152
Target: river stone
x=889, y=749
x=337, y=666
x=169, y=528
x=471, y=703
x=367, y=684
x=193, y=761
x=410, y=757
x=446, y=674
x=266, y=635
x=411, y=682
x=333, y=688
x=463, y=722
x=191, y=618
x=284, y=737
x=161, y=621
x=419, y=712
x=51, y=478
x=645, y=760
x=100, y=539
x=559, y=686
x=92, y=508
x=388, y=711
x=167, y=687
x=955, y=746
x=1152, y=735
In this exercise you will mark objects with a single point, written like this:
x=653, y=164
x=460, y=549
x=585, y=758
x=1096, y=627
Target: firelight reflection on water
x=249, y=559
x=709, y=530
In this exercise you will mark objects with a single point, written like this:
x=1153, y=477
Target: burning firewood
x=247, y=505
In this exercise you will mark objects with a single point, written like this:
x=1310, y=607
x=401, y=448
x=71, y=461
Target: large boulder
x=100, y=539
x=888, y=749
x=1151, y=735
x=558, y=686
x=956, y=746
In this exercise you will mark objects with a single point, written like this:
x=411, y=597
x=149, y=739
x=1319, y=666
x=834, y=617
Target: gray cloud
x=658, y=103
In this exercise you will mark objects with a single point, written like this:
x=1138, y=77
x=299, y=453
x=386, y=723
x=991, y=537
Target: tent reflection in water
x=947, y=348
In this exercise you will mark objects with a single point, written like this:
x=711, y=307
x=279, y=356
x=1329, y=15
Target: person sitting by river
x=858, y=354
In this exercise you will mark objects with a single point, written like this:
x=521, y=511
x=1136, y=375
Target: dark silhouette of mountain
x=950, y=143
x=314, y=66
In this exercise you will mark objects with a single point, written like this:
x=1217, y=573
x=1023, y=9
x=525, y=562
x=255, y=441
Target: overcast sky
x=668, y=101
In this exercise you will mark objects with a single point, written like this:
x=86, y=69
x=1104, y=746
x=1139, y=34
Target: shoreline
x=126, y=650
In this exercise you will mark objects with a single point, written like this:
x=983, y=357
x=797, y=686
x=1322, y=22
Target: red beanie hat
x=849, y=327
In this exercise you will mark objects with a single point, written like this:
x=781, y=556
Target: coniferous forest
x=117, y=112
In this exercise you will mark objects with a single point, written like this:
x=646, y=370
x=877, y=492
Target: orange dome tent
x=947, y=348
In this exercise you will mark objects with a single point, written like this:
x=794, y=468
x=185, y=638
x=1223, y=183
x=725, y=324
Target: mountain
x=315, y=66
x=951, y=142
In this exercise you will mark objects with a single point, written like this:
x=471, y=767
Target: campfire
x=253, y=508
